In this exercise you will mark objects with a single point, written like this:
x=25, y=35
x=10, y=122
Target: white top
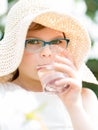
x=15, y=103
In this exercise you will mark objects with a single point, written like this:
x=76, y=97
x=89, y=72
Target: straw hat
x=19, y=18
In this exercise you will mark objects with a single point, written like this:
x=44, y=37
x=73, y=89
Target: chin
x=35, y=78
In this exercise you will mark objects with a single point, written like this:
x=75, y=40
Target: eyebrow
x=58, y=36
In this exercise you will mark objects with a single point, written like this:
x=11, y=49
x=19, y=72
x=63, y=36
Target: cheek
x=29, y=59
x=28, y=67
x=28, y=64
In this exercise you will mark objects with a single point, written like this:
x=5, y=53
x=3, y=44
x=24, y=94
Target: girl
x=28, y=29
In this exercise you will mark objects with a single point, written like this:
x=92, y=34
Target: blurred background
x=86, y=11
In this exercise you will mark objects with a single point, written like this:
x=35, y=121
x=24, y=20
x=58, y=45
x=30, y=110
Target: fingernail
x=56, y=82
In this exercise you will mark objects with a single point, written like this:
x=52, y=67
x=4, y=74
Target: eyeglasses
x=34, y=45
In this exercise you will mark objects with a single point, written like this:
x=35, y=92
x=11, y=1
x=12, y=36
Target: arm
x=85, y=117
x=84, y=111
x=81, y=104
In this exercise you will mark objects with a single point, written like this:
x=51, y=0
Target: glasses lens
x=58, y=45
x=33, y=45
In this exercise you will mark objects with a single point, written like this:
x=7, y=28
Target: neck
x=29, y=84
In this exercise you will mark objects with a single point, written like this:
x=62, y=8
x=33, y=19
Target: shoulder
x=5, y=85
x=8, y=86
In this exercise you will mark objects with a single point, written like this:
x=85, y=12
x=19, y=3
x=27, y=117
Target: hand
x=72, y=95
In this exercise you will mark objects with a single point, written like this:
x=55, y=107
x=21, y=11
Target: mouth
x=44, y=66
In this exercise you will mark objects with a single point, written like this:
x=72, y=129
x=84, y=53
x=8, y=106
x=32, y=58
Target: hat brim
x=80, y=42
x=69, y=25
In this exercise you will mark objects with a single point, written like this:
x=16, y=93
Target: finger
x=68, y=55
x=74, y=87
x=69, y=81
x=66, y=69
x=64, y=60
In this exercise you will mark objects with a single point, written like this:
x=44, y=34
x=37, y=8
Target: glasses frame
x=44, y=43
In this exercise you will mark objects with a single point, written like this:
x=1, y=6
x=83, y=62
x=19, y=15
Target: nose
x=46, y=51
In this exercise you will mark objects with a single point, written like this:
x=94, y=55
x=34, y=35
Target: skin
x=81, y=103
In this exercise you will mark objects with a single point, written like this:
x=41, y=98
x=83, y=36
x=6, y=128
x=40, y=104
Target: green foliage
x=93, y=65
x=10, y=1
x=92, y=7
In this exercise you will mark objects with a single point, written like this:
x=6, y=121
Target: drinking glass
x=48, y=75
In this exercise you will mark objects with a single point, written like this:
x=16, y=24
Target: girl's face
x=29, y=62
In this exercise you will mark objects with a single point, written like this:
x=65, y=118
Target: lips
x=44, y=66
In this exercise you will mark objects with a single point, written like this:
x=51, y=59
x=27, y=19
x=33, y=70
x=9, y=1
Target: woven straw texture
x=19, y=19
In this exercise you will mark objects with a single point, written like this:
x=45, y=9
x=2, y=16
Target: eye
x=57, y=41
x=33, y=41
